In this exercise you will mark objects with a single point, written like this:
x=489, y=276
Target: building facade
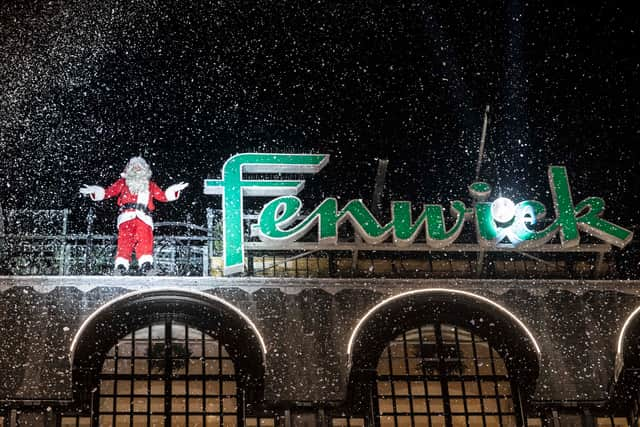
x=96, y=350
x=310, y=334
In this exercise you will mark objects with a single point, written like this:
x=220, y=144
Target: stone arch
x=628, y=340
x=102, y=329
x=399, y=313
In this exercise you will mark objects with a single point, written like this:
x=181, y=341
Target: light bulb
x=503, y=210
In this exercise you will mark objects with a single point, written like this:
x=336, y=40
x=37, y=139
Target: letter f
x=233, y=188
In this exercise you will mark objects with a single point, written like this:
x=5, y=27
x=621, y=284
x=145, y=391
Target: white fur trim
x=143, y=198
x=145, y=258
x=98, y=194
x=171, y=195
x=129, y=215
x=126, y=216
x=173, y=191
x=122, y=261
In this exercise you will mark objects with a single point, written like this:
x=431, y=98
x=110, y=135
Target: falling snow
x=86, y=85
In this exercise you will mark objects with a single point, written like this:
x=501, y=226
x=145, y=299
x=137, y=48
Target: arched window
x=167, y=357
x=443, y=375
x=624, y=401
x=168, y=373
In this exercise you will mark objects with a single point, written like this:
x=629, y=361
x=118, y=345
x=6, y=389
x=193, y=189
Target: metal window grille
x=347, y=422
x=612, y=422
x=75, y=421
x=85, y=421
x=443, y=375
x=635, y=410
x=260, y=422
x=168, y=374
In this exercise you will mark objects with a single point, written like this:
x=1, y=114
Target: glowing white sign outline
x=513, y=317
x=619, y=360
x=88, y=320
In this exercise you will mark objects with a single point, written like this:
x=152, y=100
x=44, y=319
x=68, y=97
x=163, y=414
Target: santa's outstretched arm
x=94, y=191
x=173, y=191
x=98, y=193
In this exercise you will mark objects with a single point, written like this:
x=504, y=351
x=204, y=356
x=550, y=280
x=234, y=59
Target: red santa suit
x=135, y=225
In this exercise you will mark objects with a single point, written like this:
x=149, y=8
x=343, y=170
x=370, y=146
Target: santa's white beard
x=137, y=183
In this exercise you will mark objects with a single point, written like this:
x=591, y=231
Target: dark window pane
x=441, y=374
x=142, y=400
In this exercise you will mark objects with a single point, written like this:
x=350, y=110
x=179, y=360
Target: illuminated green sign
x=234, y=188
x=500, y=222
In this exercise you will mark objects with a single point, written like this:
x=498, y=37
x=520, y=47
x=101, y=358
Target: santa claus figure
x=136, y=193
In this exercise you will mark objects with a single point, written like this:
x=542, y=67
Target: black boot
x=120, y=270
x=147, y=268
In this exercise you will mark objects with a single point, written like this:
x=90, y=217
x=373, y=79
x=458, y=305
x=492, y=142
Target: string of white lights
x=89, y=320
x=369, y=313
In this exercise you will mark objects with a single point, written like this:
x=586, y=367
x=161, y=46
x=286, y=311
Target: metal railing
x=186, y=252
x=39, y=243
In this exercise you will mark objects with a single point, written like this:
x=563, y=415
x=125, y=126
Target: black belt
x=136, y=206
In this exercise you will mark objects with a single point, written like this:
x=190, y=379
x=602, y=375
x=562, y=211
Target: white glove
x=94, y=191
x=173, y=191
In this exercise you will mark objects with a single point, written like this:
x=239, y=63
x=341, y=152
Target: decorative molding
x=293, y=286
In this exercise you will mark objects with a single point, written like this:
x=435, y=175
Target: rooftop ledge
x=46, y=284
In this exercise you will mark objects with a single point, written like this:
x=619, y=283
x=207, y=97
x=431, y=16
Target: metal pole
x=1, y=221
x=483, y=138
x=381, y=175
x=207, y=268
x=63, y=261
x=89, y=261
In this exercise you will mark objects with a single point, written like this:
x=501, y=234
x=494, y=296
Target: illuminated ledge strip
x=619, y=350
x=361, y=322
x=422, y=247
x=85, y=324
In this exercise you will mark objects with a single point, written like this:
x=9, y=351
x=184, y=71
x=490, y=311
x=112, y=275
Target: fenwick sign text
x=496, y=222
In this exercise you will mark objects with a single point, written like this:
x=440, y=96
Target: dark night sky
x=86, y=85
